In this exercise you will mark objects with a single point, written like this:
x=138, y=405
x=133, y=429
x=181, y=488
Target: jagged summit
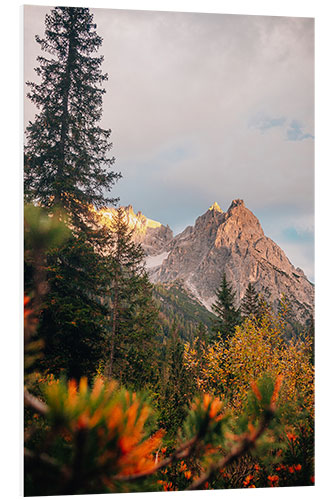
x=216, y=207
x=152, y=235
x=239, y=226
x=137, y=221
x=237, y=203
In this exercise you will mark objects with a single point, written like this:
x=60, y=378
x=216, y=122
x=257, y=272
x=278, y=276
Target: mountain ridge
x=151, y=234
x=231, y=242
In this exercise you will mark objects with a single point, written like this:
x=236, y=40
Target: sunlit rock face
x=234, y=242
x=231, y=242
x=152, y=235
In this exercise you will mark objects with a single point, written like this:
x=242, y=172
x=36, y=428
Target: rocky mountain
x=232, y=242
x=153, y=236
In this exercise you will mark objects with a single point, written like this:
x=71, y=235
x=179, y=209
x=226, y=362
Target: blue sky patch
x=263, y=122
x=295, y=132
x=291, y=234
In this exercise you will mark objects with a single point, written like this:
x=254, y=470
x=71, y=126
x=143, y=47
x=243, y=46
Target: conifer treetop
x=67, y=160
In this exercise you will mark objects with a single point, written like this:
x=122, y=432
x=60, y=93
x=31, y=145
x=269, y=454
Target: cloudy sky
x=209, y=107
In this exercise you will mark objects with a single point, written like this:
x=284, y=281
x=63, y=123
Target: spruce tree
x=73, y=321
x=66, y=153
x=228, y=316
x=133, y=313
x=251, y=303
x=175, y=385
x=285, y=311
x=67, y=166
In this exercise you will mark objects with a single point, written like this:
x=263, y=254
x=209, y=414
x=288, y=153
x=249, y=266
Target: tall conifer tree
x=66, y=160
x=68, y=166
x=228, y=316
x=133, y=314
x=175, y=385
x=251, y=302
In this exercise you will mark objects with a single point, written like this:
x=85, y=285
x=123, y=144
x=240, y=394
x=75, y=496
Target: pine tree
x=73, y=320
x=175, y=385
x=67, y=166
x=251, y=302
x=291, y=328
x=136, y=346
x=133, y=313
x=228, y=316
x=66, y=161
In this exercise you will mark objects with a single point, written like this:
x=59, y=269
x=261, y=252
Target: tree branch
x=183, y=451
x=42, y=457
x=248, y=442
x=34, y=403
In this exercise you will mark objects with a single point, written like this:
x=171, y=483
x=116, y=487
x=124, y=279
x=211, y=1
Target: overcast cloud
x=205, y=108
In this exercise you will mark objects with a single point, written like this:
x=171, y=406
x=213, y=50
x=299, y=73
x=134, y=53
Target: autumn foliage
x=250, y=422
x=232, y=368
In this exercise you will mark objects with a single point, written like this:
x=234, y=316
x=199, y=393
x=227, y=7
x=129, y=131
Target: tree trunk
x=115, y=307
x=64, y=119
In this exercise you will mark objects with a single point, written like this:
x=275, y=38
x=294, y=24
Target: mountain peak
x=233, y=243
x=239, y=224
x=135, y=221
x=129, y=209
x=216, y=207
x=237, y=203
